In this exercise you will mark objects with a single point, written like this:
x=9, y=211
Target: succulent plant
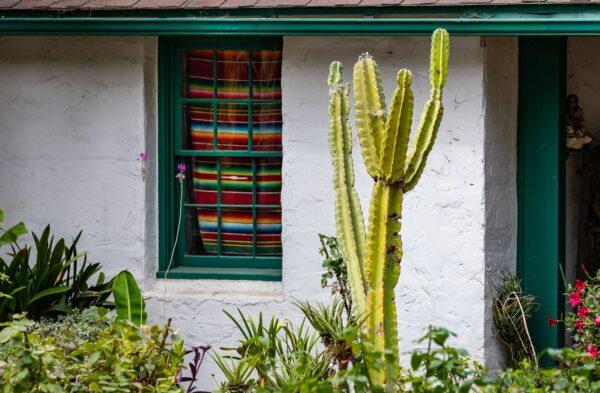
x=373, y=254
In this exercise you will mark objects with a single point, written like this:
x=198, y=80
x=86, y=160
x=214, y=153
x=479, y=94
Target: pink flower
x=552, y=322
x=597, y=320
x=181, y=167
x=583, y=312
x=593, y=351
x=575, y=299
x=144, y=156
x=579, y=285
x=578, y=325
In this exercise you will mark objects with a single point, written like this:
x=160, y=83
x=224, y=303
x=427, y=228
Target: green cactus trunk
x=373, y=258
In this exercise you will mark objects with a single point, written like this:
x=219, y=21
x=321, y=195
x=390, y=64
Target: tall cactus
x=373, y=258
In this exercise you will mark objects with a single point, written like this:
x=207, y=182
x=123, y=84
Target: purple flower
x=143, y=156
x=181, y=167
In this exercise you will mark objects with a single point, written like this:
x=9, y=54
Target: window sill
x=194, y=273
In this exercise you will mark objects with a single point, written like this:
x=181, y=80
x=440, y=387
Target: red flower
x=593, y=351
x=579, y=285
x=552, y=321
x=575, y=299
x=579, y=326
x=583, y=312
x=597, y=320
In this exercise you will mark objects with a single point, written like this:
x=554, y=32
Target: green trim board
x=171, y=150
x=585, y=23
x=541, y=181
x=195, y=273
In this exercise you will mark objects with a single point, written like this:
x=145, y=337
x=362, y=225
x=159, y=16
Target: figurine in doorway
x=577, y=136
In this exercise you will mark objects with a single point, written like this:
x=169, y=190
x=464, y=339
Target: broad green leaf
x=1, y=215
x=49, y=291
x=129, y=302
x=12, y=234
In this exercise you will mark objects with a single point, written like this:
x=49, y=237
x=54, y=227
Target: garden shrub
x=117, y=357
x=57, y=281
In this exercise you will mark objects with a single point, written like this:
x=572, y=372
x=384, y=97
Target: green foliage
x=56, y=282
x=373, y=256
x=129, y=302
x=71, y=331
x=116, y=358
x=335, y=270
x=441, y=368
x=273, y=357
x=337, y=334
x=583, y=322
x=575, y=373
x=511, y=310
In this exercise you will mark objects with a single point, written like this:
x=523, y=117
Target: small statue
x=576, y=133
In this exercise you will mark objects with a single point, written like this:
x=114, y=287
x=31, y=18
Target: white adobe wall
x=501, y=78
x=74, y=112
x=71, y=123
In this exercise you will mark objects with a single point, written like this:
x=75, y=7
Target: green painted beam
x=493, y=24
x=541, y=181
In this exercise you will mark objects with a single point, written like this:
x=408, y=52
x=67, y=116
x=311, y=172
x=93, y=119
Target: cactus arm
x=376, y=252
x=432, y=113
x=397, y=129
x=370, y=110
x=393, y=258
x=384, y=254
x=348, y=212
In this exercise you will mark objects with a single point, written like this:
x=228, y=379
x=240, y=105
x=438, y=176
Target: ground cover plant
x=117, y=359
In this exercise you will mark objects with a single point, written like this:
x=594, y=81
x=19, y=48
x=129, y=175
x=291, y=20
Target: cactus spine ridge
x=348, y=212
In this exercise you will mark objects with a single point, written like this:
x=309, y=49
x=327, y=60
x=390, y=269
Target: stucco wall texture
x=75, y=112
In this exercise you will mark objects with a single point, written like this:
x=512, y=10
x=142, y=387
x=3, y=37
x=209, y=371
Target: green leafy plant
x=336, y=273
x=273, y=357
x=334, y=330
x=129, y=301
x=442, y=368
x=117, y=359
x=583, y=322
x=373, y=255
x=55, y=283
x=511, y=310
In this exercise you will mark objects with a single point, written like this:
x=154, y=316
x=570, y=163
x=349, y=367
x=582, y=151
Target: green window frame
x=171, y=151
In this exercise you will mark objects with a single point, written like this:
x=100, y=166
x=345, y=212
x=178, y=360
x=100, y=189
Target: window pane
x=236, y=231
x=236, y=181
x=232, y=126
x=204, y=180
x=232, y=74
x=268, y=181
x=266, y=74
x=199, y=74
x=198, y=127
x=268, y=231
x=201, y=231
x=266, y=127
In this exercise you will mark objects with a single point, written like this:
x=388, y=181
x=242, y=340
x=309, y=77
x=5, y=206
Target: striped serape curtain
x=232, y=130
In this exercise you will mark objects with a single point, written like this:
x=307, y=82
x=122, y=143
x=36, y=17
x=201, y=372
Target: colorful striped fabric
x=239, y=233
x=236, y=180
x=266, y=74
x=199, y=73
x=232, y=126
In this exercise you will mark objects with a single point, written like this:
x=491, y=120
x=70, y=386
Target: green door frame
x=541, y=181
